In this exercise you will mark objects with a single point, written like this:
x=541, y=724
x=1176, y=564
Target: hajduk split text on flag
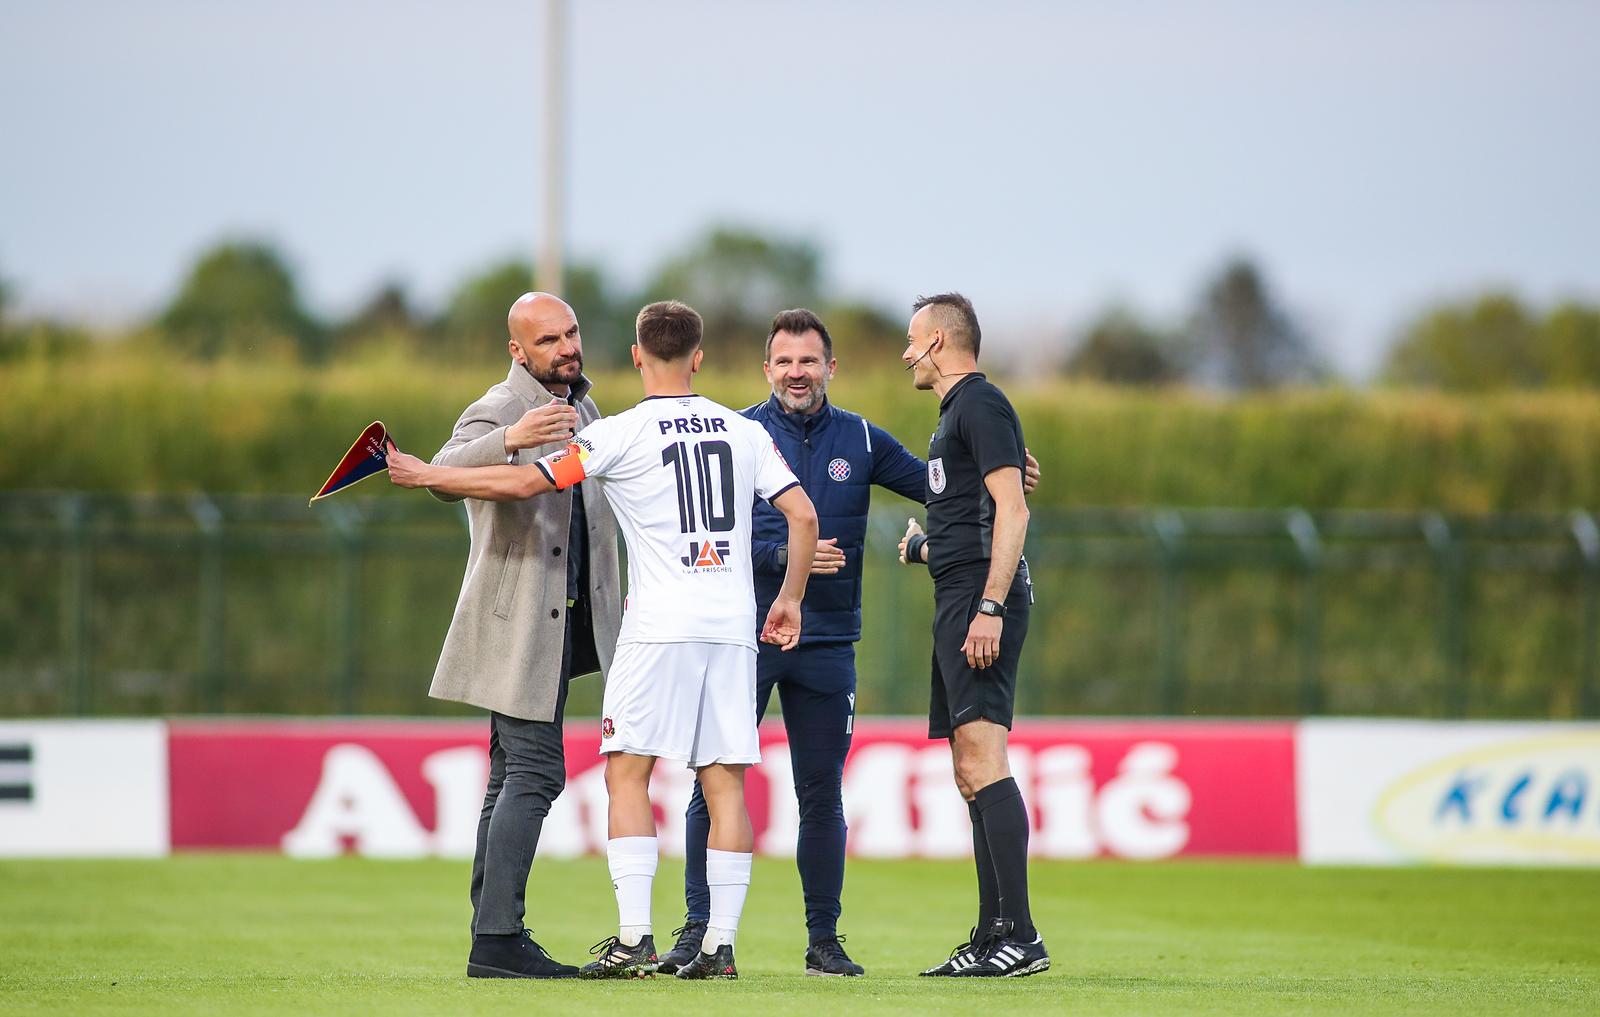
x=369, y=455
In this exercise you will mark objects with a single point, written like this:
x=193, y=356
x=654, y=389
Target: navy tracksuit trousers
x=816, y=689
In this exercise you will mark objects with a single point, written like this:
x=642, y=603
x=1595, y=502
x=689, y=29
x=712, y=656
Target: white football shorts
x=692, y=702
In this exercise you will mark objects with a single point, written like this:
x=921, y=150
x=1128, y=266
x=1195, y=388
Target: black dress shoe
x=514, y=956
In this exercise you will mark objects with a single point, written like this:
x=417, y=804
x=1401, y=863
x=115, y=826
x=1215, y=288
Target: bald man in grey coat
x=540, y=605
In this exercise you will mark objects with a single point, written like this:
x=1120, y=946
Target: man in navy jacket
x=837, y=456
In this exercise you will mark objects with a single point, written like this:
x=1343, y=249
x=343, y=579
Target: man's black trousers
x=527, y=770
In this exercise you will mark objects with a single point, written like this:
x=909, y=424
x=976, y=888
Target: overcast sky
x=1046, y=158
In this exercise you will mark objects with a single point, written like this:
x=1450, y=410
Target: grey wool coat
x=503, y=651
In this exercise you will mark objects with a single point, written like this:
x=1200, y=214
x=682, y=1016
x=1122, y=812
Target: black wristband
x=914, y=548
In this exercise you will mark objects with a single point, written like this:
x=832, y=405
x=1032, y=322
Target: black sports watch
x=992, y=608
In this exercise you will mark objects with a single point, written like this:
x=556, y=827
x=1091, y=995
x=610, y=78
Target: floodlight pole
x=549, y=270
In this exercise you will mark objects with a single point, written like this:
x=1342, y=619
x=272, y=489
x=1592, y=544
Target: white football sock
x=633, y=870
x=728, y=875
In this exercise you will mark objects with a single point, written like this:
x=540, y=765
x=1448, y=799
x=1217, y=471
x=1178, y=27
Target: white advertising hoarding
x=73, y=788
x=1385, y=792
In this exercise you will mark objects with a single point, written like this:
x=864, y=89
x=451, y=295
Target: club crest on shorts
x=839, y=470
x=936, y=475
x=607, y=729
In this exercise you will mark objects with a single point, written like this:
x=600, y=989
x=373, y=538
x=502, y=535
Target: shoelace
x=832, y=949
x=982, y=946
x=678, y=933
x=603, y=948
x=968, y=947
x=527, y=934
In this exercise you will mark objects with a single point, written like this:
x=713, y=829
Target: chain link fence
x=249, y=605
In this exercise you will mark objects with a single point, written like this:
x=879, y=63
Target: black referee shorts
x=962, y=693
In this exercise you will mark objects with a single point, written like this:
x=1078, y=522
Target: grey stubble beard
x=813, y=399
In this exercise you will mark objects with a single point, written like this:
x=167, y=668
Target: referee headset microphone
x=925, y=354
x=938, y=341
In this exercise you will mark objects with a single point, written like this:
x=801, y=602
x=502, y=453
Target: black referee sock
x=1005, y=823
x=988, y=889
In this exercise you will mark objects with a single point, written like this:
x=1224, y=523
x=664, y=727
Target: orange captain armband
x=564, y=468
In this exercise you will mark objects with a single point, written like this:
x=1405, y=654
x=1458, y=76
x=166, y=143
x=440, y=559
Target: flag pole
x=549, y=273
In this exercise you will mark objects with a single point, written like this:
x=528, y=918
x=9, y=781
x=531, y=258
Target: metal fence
x=197, y=604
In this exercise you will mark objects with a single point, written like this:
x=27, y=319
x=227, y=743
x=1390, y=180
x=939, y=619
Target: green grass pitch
x=264, y=935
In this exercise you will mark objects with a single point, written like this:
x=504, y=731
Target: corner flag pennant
x=368, y=456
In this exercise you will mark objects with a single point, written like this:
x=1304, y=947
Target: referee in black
x=977, y=521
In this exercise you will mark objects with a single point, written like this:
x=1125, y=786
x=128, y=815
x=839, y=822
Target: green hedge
x=121, y=422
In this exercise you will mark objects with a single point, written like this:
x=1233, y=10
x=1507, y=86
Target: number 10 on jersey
x=701, y=495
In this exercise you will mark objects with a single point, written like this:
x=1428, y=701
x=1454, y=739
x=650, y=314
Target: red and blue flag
x=369, y=455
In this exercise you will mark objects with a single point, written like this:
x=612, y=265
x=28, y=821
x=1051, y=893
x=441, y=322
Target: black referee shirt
x=978, y=433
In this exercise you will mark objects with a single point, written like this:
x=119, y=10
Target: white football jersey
x=681, y=474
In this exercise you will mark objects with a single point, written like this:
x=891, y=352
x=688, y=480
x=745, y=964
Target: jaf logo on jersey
x=706, y=554
x=839, y=470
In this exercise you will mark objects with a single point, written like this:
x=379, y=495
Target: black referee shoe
x=514, y=956
x=827, y=957
x=960, y=957
x=1006, y=955
x=618, y=961
x=690, y=936
x=711, y=965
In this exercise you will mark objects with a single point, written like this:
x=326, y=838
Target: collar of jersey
x=681, y=395
x=957, y=387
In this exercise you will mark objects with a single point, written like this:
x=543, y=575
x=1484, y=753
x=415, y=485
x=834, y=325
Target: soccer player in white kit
x=681, y=473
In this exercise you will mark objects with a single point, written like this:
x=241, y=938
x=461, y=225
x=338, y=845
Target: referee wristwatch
x=992, y=608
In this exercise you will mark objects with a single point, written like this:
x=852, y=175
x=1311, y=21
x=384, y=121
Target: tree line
x=241, y=299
